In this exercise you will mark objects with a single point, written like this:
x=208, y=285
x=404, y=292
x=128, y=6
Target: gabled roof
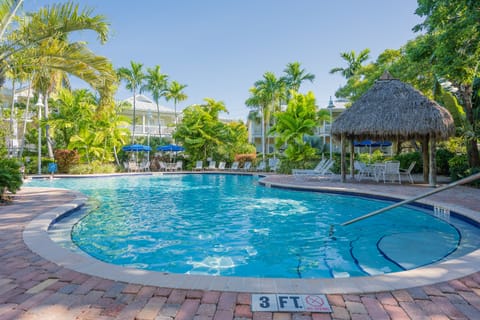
x=143, y=103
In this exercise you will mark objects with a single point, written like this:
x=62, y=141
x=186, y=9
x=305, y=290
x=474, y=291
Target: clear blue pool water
x=229, y=225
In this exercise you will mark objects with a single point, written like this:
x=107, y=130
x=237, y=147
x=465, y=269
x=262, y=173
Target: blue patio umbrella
x=370, y=143
x=170, y=147
x=136, y=148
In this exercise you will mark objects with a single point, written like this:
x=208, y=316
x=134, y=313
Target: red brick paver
x=33, y=288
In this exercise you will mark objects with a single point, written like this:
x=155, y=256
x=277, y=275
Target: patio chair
x=212, y=165
x=408, y=172
x=324, y=172
x=301, y=173
x=261, y=166
x=162, y=166
x=234, y=166
x=221, y=165
x=273, y=164
x=198, y=165
x=247, y=166
x=392, y=170
x=363, y=170
x=178, y=165
x=145, y=166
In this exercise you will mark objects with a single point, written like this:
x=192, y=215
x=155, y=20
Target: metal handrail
x=424, y=195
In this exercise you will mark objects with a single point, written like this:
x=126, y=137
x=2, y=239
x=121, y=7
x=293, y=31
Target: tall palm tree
x=156, y=85
x=295, y=76
x=133, y=78
x=54, y=22
x=175, y=92
x=354, y=63
x=273, y=89
x=259, y=101
x=39, y=43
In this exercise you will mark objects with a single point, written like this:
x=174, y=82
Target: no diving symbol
x=314, y=301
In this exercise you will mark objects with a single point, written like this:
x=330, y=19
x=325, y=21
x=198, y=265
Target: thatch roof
x=392, y=109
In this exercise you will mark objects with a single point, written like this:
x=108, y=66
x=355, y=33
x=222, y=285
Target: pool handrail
x=468, y=179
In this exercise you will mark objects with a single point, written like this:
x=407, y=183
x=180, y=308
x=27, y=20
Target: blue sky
x=219, y=48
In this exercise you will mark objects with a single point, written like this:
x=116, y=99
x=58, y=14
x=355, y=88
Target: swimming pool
x=229, y=225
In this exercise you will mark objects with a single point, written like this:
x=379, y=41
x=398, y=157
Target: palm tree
x=259, y=101
x=134, y=78
x=272, y=89
x=175, y=92
x=39, y=44
x=354, y=63
x=54, y=22
x=156, y=85
x=294, y=76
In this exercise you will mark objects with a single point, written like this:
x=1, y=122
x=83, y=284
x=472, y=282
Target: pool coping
x=36, y=237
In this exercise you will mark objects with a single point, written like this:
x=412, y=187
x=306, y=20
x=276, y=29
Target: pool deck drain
x=32, y=287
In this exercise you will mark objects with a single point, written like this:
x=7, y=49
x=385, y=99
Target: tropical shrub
x=458, y=167
x=93, y=167
x=407, y=158
x=10, y=177
x=442, y=158
x=66, y=159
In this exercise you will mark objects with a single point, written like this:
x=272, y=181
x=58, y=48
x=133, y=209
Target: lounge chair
x=261, y=166
x=247, y=166
x=318, y=167
x=198, y=165
x=322, y=169
x=221, y=165
x=212, y=165
x=392, y=170
x=234, y=166
x=408, y=172
x=273, y=164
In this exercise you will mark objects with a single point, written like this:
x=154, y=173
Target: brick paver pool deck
x=32, y=287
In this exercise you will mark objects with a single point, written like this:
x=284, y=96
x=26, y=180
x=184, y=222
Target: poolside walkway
x=34, y=288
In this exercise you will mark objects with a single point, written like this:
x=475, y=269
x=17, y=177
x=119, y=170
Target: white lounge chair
x=408, y=172
x=318, y=167
x=212, y=165
x=321, y=170
x=247, y=166
x=273, y=164
x=261, y=166
x=221, y=165
x=198, y=165
x=234, y=166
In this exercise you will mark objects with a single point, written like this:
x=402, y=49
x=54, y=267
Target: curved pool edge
x=36, y=237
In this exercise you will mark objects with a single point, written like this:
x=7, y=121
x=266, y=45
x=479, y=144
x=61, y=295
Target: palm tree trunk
x=47, y=128
x=11, y=134
x=263, y=134
x=158, y=120
x=24, y=131
x=134, y=114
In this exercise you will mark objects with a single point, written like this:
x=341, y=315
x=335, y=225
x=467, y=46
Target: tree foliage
x=299, y=120
x=203, y=135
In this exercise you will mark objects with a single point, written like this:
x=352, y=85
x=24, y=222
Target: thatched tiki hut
x=395, y=111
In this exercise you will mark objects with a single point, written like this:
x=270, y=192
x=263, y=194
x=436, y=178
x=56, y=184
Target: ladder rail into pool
x=409, y=200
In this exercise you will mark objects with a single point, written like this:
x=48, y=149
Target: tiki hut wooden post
x=394, y=110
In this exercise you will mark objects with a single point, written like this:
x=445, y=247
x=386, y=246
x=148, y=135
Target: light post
x=330, y=108
x=39, y=106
